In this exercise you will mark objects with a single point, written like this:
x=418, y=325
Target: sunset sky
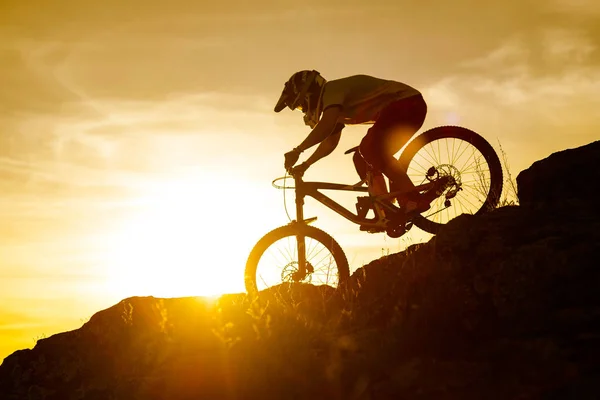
x=138, y=140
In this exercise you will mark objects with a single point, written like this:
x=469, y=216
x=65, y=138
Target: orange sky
x=138, y=141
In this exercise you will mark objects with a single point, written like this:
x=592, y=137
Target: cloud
x=542, y=87
x=60, y=170
x=553, y=70
x=151, y=51
x=588, y=8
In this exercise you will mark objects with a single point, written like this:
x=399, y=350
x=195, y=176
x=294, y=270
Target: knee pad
x=360, y=165
x=370, y=151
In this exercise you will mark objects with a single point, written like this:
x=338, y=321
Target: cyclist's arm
x=323, y=129
x=326, y=146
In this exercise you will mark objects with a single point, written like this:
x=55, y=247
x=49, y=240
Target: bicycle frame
x=312, y=189
x=441, y=181
x=377, y=223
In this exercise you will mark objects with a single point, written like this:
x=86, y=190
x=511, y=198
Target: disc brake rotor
x=290, y=271
x=454, y=183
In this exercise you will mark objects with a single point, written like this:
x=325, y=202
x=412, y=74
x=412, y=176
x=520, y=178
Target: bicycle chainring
x=398, y=225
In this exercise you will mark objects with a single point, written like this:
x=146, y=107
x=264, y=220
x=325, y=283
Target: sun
x=189, y=236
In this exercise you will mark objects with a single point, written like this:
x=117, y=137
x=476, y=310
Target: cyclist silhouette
x=395, y=110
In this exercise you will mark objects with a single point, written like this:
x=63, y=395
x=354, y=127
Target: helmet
x=303, y=91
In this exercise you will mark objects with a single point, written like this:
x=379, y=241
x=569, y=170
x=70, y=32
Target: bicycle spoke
x=431, y=159
x=423, y=168
x=476, y=162
x=282, y=261
x=465, y=163
x=453, y=154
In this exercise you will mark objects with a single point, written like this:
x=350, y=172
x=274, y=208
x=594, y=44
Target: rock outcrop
x=568, y=175
x=499, y=306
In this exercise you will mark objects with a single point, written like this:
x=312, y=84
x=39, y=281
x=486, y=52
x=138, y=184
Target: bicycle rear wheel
x=274, y=259
x=468, y=158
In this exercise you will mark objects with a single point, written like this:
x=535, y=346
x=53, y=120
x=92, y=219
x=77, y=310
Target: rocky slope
x=500, y=306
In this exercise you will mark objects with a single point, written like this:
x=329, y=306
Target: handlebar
x=295, y=173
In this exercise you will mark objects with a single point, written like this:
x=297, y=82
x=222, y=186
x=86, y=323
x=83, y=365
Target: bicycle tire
x=481, y=144
x=294, y=229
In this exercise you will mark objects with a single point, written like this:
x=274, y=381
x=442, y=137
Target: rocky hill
x=500, y=306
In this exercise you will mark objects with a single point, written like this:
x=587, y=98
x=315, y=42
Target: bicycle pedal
x=371, y=229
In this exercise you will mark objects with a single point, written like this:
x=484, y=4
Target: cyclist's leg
x=377, y=185
x=397, y=123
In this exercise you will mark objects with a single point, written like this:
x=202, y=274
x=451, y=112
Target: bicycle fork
x=304, y=267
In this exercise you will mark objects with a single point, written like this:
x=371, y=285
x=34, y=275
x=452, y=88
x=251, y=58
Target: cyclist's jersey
x=362, y=97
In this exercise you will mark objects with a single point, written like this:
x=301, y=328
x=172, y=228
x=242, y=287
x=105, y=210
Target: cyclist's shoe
x=363, y=205
x=415, y=203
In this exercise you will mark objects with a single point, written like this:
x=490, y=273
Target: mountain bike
x=454, y=166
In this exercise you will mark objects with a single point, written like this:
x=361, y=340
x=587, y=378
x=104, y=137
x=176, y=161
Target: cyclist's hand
x=300, y=168
x=291, y=157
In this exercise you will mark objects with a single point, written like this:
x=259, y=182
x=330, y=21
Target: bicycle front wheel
x=468, y=158
x=274, y=259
